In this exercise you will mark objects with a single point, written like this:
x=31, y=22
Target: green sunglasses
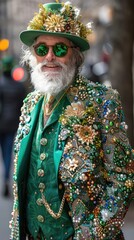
x=59, y=49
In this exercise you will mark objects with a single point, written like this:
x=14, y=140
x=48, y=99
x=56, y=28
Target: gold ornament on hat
x=67, y=20
x=55, y=23
x=38, y=20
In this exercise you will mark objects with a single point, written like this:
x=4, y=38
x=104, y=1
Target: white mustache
x=52, y=64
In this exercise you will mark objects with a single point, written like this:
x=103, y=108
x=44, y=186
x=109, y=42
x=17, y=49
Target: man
x=12, y=94
x=73, y=174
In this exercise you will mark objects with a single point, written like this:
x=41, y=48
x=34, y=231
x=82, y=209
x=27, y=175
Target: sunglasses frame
x=52, y=46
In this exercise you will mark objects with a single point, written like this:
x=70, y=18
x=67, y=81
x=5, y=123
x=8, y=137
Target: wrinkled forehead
x=50, y=40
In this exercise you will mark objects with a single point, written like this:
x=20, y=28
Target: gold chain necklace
x=44, y=201
x=49, y=113
x=48, y=208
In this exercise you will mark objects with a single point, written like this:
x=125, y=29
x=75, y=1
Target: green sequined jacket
x=93, y=159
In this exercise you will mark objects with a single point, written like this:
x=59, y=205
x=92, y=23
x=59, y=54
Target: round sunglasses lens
x=60, y=50
x=41, y=50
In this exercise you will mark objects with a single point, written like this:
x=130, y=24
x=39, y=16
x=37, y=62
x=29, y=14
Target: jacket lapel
x=24, y=153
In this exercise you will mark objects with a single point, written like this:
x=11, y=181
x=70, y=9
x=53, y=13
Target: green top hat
x=57, y=19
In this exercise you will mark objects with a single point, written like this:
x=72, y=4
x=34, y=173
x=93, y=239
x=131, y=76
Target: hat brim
x=28, y=37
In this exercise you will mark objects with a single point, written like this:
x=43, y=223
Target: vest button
x=42, y=186
x=39, y=202
x=42, y=156
x=40, y=218
x=40, y=172
x=70, y=214
x=60, y=186
x=43, y=141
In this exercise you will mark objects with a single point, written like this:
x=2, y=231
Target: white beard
x=51, y=83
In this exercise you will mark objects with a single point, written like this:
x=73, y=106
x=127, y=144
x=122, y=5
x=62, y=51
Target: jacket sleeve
x=106, y=219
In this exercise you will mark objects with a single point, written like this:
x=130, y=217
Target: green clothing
x=91, y=155
x=41, y=176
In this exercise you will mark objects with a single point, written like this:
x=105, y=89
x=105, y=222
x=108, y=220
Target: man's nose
x=50, y=56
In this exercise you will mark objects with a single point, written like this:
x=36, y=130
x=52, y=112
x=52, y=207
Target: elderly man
x=73, y=167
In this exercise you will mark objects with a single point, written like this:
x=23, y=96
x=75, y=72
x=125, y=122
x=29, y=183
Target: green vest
x=42, y=176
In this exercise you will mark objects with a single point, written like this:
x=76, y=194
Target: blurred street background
x=110, y=61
